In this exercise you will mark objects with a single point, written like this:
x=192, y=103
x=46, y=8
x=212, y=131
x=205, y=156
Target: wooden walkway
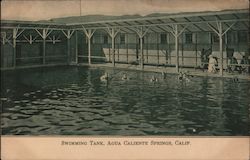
x=172, y=70
x=147, y=68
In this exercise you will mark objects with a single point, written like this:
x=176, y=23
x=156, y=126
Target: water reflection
x=74, y=101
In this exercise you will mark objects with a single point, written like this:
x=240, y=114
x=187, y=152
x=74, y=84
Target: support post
x=182, y=50
x=89, y=33
x=176, y=33
x=44, y=35
x=226, y=46
x=118, y=51
x=176, y=47
x=68, y=51
x=16, y=34
x=127, y=46
x=89, y=50
x=169, y=49
x=68, y=35
x=157, y=47
x=196, y=50
x=141, y=51
x=220, y=33
x=147, y=49
x=44, y=46
x=127, y=52
x=76, y=58
x=141, y=33
x=221, y=48
x=112, y=33
x=113, y=46
x=15, y=30
x=3, y=36
x=109, y=53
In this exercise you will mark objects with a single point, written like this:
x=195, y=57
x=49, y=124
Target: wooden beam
x=15, y=30
x=194, y=24
x=186, y=25
x=112, y=33
x=176, y=47
x=89, y=33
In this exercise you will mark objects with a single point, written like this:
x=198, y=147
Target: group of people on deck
x=210, y=62
x=234, y=66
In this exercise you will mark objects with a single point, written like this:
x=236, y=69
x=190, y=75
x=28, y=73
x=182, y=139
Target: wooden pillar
x=126, y=42
x=112, y=33
x=166, y=49
x=147, y=47
x=237, y=40
x=157, y=47
x=113, y=46
x=196, y=50
x=118, y=51
x=68, y=35
x=221, y=48
x=141, y=34
x=15, y=36
x=221, y=55
x=109, y=53
x=182, y=45
x=44, y=35
x=76, y=58
x=68, y=50
x=89, y=33
x=89, y=50
x=211, y=40
x=176, y=47
x=169, y=49
x=226, y=43
x=127, y=52
x=14, y=46
x=220, y=33
x=141, y=51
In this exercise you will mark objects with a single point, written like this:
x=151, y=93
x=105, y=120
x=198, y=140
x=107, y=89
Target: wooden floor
x=172, y=70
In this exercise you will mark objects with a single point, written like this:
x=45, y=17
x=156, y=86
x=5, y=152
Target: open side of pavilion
x=50, y=43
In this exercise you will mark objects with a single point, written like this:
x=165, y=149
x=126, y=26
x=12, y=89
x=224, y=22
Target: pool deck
x=172, y=70
x=147, y=68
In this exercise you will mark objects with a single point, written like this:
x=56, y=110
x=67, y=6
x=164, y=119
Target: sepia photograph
x=126, y=69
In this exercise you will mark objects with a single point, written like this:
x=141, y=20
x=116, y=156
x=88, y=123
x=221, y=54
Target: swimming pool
x=74, y=101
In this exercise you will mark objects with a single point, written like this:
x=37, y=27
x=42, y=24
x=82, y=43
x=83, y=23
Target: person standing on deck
x=212, y=64
x=204, y=58
x=137, y=53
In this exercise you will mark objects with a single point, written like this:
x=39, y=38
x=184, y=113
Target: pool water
x=74, y=101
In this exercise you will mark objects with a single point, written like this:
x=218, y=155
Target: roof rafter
x=180, y=24
x=219, y=18
x=244, y=23
x=194, y=24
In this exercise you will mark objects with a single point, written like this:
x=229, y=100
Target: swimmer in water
x=164, y=75
x=125, y=77
x=153, y=79
x=180, y=76
x=183, y=77
x=235, y=79
x=104, y=77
